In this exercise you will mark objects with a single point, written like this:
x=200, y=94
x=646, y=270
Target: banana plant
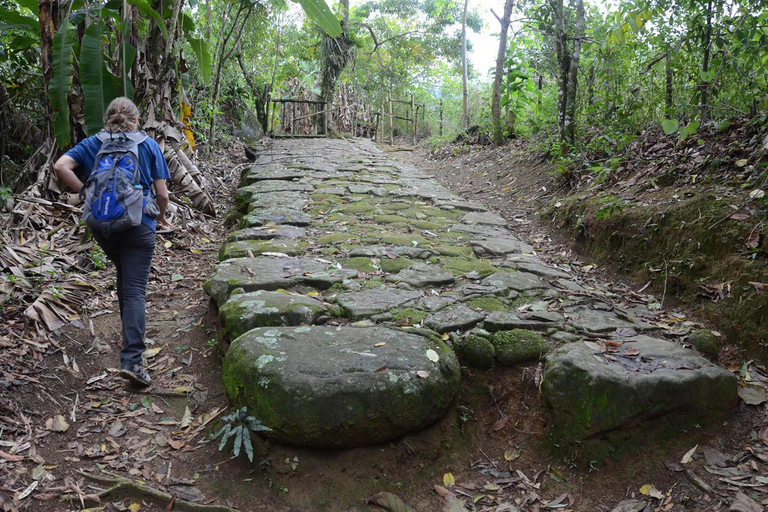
x=90, y=61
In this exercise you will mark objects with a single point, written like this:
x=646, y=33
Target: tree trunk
x=465, y=85
x=49, y=23
x=498, y=134
x=563, y=58
x=668, y=110
x=242, y=18
x=704, y=86
x=569, y=122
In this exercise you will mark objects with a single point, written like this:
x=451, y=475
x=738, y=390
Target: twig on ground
x=120, y=484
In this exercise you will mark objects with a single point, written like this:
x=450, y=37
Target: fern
x=239, y=426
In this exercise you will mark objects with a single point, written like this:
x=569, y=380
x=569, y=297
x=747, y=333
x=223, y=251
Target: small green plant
x=239, y=426
x=5, y=194
x=612, y=207
x=98, y=258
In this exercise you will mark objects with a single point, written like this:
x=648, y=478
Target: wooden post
x=441, y=118
x=413, y=121
x=380, y=133
x=266, y=114
x=391, y=123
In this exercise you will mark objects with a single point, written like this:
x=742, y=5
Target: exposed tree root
x=120, y=484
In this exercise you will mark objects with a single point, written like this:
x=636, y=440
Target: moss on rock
x=395, y=265
x=488, y=304
x=518, y=346
x=461, y=266
x=478, y=352
x=704, y=341
x=407, y=316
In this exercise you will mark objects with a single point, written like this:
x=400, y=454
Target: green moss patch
x=390, y=219
x=427, y=224
x=461, y=266
x=518, y=346
x=454, y=251
x=334, y=238
x=403, y=239
x=407, y=316
x=488, y=304
x=362, y=264
x=395, y=265
x=478, y=352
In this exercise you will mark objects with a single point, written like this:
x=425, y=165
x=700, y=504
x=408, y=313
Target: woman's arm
x=161, y=195
x=65, y=170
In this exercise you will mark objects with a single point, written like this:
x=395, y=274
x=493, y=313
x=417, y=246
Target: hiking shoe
x=138, y=376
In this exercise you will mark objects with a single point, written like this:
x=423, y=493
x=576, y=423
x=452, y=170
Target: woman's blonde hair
x=122, y=115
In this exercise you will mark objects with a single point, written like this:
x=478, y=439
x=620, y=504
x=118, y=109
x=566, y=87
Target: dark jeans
x=131, y=251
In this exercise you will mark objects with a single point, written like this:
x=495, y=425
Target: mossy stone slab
x=243, y=195
x=478, y=352
x=467, y=206
x=281, y=232
x=245, y=311
x=536, y=321
x=518, y=281
x=585, y=319
x=500, y=247
x=518, y=346
x=704, y=341
x=533, y=265
x=392, y=252
x=485, y=218
x=263, y=173
x=422, y=275
x=365, y=304
x=275, y=215
x=242, y=248
x=265, y=273
x=330, y=387
x=590, y=394
x=454, y=318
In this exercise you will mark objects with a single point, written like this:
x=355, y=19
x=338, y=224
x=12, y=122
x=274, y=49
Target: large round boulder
x=340, y=386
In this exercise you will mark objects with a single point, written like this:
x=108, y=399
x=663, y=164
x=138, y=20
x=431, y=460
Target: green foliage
x=239, y=427
x=611, y=207
x=319, y=11
x=62, y=81
x=99, y=85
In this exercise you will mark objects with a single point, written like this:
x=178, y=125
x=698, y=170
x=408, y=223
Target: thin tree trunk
x=241, y=17
x=573, y=76
x=561, y=45
x=668, y=110
x=704, y=87
x=498, y=134
x=465, y=85
x=49, y=23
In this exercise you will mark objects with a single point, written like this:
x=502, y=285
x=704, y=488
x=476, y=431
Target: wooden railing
x=411, y=116
x=298, y=118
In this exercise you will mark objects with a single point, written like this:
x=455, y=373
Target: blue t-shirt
x=151, y=163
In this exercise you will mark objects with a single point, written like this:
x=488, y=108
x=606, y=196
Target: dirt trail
x=491, y=442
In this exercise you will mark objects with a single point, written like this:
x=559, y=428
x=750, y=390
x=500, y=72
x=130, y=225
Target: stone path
x=358, y=284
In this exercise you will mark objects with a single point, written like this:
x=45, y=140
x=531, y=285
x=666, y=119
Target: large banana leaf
x=146, y=9
x=319, y=11
x=129, y=53
x=29, y=4
x=61, y=82
x=99, y=85
x=13, y=19
x=203, y=57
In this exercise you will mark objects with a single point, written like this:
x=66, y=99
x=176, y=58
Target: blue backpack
x=114, y=196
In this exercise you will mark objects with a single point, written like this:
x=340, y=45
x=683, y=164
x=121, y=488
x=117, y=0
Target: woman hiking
x=130, y=249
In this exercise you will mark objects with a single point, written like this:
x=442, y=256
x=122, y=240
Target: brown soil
x=493, y=441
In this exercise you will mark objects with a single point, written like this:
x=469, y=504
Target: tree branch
x=120, y=484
